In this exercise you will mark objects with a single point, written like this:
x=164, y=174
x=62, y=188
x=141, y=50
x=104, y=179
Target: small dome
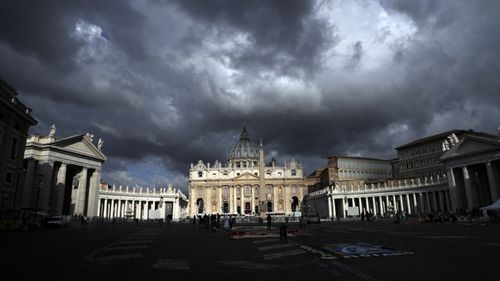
x=244, y=149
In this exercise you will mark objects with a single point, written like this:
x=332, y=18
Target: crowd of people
x=213, y=222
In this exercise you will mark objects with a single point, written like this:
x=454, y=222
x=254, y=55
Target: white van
x=58, y=221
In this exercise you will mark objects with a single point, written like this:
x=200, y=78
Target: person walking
x=269, y=220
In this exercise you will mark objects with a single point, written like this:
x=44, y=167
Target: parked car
x=58, y=221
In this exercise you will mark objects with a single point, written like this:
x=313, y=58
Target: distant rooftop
x=357, y=157
x=443, y=135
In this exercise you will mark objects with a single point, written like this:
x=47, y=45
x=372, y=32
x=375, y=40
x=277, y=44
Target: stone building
x=62, y=174
x=245, y=185
x=141, y=203
x=464, y=177
x=15, y=120
x=345, y=168
x=421, y=157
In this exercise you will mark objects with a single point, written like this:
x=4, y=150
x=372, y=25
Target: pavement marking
x=451, y=237
x=278, y=246
x=250, y=265
x=284, y=254
x=107, y=259
x=125, y=248
x=135, y=242
x=171, y=264
x=266, y=241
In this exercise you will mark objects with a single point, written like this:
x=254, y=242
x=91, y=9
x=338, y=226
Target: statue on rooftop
x=100, y=143
x=52, y=132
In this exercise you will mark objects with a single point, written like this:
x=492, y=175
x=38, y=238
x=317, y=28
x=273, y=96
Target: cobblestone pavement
x=376, y=250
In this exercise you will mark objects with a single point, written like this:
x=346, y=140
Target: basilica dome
x=244, y=149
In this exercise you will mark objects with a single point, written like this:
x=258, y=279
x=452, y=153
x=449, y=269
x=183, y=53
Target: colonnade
x=124, y=208
x=416, y=202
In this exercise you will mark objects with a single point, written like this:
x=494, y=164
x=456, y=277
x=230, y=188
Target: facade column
x=82, y=192
x=334, y=211
x=408, y=204
x=401, y=202
x=374, y=210
x=491, y=182
x=344, y=207
x=329, y=199
x=468, y=188
x=394, y=203
x=252, y=203
x=361, y=205
x=235, y=198
x=221, y=205
x=59, y=188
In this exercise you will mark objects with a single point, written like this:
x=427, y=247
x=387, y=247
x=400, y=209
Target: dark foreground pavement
x=167, y=252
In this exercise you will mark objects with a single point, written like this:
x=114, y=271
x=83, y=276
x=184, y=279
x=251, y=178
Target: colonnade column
x=434, y=201
x=415, y=204
x=111, y=207
x=441, y=201
x=374, y=210
x=491, y=182
x=428, y=198
x=381, y=211
x=408, y=203
x=105, y=213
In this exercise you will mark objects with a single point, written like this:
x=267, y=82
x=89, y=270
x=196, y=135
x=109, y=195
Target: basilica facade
x=245, y=185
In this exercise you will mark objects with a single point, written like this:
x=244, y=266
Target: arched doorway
x=269, y=206
x=199, y=203
x=295, y=203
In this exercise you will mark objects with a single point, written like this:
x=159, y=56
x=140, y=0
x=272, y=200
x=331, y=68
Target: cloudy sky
x=166, y=83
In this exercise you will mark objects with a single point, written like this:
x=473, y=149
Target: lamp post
x=40, y=186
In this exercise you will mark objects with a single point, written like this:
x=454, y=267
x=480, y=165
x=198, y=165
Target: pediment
x=247, y=176
x=80, y=144
x=470, y=145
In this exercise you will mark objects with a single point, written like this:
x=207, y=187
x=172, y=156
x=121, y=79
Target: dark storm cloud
x=177, y=80
x=285, y=35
